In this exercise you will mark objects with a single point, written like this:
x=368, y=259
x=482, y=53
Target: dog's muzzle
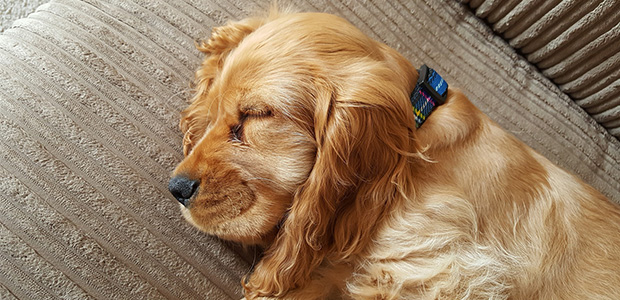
x=183, y=188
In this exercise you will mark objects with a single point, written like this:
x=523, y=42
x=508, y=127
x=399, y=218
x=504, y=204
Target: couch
x=90, y=95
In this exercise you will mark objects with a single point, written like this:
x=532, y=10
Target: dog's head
x=296, y=139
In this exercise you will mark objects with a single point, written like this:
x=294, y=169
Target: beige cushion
x=575, y=43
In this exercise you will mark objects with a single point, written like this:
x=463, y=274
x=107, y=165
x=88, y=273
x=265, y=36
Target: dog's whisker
x=184, y=91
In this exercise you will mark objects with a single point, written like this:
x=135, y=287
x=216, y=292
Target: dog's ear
x=364, y=130
x=223, y=40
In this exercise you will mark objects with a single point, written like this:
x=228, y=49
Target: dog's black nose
x=183, y=188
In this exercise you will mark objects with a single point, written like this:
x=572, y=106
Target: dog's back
x=493, y=219
x=580, y=241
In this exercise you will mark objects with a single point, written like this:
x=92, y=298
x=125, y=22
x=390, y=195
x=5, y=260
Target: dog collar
x=430, y=90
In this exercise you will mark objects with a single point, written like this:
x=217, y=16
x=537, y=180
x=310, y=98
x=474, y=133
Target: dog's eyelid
x=256, y=112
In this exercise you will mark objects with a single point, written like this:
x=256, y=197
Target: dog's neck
x=451, y=123
x=454, y=116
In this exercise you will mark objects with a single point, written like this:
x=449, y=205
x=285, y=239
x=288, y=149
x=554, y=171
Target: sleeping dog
x=364, y=178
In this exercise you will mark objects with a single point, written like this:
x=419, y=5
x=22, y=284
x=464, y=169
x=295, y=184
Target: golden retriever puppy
x=301, y=138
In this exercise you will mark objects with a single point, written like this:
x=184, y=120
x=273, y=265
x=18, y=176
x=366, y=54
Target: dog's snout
x=183, y=188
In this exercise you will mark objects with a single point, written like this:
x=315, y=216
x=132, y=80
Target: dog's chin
x=240, y=230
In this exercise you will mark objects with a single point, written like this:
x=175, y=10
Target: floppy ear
x=364, y=133
x=222, y=41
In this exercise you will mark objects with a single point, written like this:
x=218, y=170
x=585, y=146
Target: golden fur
x=302, y=136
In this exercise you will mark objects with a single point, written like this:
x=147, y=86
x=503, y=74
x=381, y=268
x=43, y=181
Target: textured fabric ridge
x=575, y=43
x=89, y=108
x=16, y=9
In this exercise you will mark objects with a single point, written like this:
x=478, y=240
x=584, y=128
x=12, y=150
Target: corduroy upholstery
x=574, y=43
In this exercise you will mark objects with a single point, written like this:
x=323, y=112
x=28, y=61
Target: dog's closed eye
x=256, y=112
x=236, y=131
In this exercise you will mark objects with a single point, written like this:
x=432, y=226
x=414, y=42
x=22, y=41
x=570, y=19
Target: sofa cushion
x=574, y=43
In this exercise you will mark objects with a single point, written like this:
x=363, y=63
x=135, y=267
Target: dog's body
x=301, y=138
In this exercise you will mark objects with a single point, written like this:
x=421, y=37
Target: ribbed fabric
x=16, y=9
x=575, y=43
x=89, y=104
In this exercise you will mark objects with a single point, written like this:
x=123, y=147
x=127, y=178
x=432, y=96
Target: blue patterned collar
x=430, y=91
